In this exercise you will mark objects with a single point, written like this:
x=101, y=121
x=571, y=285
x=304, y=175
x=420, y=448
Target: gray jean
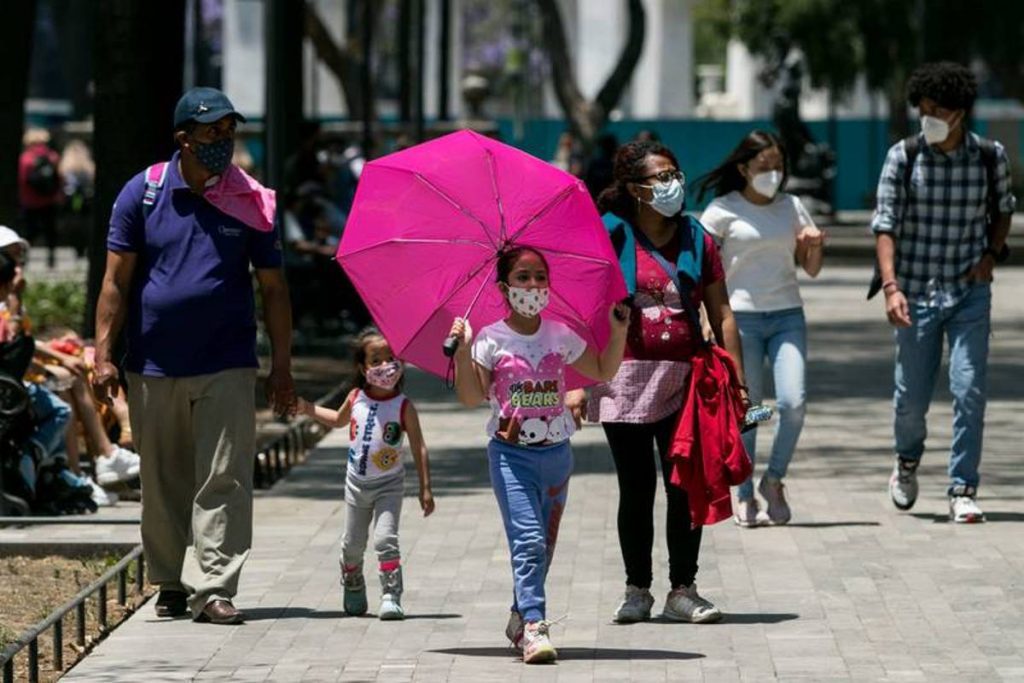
x=379, y=502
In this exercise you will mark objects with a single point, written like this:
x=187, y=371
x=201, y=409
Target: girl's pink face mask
x=385, y=376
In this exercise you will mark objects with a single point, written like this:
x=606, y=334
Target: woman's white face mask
x=767, y=183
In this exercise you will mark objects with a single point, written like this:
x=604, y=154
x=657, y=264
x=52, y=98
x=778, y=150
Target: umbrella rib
x=417, y=240
x=452, y=293
x=444, y=195
x=557, y=199
x=497, y=195
x=571, y=255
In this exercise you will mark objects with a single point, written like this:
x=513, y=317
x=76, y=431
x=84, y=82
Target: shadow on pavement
x=825, y=525
x=757, y=618
x=566, y=653
x=269, y=613
x=989, y=517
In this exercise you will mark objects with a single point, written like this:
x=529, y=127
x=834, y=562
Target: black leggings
x=632, y=447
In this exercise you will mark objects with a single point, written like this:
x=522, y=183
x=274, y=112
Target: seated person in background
x=53, y=371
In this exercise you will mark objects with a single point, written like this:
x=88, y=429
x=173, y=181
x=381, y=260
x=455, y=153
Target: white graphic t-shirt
x=376, y=435
x=528, y=380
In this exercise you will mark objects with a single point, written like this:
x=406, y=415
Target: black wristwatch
x=998, y=256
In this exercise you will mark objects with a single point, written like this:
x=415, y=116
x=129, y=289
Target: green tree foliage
x=883, y=40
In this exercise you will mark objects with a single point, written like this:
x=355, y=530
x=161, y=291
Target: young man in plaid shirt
x=941, y=224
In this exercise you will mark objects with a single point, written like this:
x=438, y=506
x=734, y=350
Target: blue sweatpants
x=531, y=485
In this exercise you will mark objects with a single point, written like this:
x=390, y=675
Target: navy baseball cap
x=203, y=105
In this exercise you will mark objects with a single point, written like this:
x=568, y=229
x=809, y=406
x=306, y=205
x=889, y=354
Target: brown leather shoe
x=171, y=603
x=220, y=612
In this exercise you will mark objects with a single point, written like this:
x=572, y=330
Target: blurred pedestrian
x=943, y=214
x=40, y=189
x=183, y=236
x=78, y=172
x=764, y=234
x=599, y=172
x=567, y=154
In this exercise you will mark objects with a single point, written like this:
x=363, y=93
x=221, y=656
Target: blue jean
x=51, y=416
x=966, y=325
x=781, y=337
x=531, y=485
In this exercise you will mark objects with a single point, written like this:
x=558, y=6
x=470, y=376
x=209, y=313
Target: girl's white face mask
x=667, y=198
x=385, y=376
x=528, y=302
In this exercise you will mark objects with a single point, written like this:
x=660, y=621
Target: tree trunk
x=139, y=58
x=15, y=54
x=344, y=61
x=586, y=118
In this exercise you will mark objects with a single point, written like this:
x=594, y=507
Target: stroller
x=31, y=481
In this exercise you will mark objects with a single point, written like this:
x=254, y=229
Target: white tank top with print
x=376, y=437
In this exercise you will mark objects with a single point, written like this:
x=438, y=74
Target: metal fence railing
x=30, y=639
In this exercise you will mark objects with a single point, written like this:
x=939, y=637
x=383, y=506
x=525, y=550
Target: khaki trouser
x=196, y=437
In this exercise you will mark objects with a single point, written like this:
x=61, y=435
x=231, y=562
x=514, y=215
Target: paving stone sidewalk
x=851, y=590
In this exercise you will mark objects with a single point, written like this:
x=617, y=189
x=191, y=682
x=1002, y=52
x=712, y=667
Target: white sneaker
x=537, y=647
x=684, y=604
x=965, y=510
x=636, y=606
x=746, y=513
x=121, y=465
x=514, y=630
x=903, y=484
x=100, y=496
x=774, y=493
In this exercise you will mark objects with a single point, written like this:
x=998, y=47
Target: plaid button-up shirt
x=940, y=229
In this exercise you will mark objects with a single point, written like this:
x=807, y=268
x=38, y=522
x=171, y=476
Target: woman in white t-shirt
x=764, y=234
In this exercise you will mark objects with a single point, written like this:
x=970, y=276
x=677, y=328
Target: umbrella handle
x=450, y=345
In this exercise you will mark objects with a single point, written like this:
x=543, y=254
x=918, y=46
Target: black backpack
x=913, y=149
x=42, y=176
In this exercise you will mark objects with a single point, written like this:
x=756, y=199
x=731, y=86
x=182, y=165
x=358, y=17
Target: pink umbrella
x=428, y=224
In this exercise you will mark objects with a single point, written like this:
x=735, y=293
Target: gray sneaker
x=636, y=606
x=903, y=484
x=355, y=590
x=774, y=493
x=685, y=604
x=391, y=595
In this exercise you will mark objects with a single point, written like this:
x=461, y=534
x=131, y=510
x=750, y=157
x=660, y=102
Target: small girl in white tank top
x=379, y=417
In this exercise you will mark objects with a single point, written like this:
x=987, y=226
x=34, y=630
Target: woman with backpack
x=671, y=267
x=764, y=235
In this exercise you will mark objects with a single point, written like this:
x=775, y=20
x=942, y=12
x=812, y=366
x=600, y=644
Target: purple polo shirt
x=191, y=309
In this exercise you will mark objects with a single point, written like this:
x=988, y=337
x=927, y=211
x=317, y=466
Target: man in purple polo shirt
x=178, y=281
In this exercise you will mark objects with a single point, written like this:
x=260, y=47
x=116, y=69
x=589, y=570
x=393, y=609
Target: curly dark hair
x=951, y=85
x=629, y=168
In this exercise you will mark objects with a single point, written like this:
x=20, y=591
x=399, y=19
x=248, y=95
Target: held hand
x=463, y=331
x=426, y=502
x=104, y=382
x=281, y=392
x=811, y=236
x=897, y=310
x=576, y=402
x=618, y=316
x=302, y=407
x=982, y=270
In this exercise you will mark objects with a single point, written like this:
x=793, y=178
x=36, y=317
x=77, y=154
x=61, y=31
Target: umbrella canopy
x=428, y=224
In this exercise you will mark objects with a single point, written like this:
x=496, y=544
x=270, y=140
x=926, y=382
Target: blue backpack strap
x=691, y=257
x=155, y=177
x=621, y=235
